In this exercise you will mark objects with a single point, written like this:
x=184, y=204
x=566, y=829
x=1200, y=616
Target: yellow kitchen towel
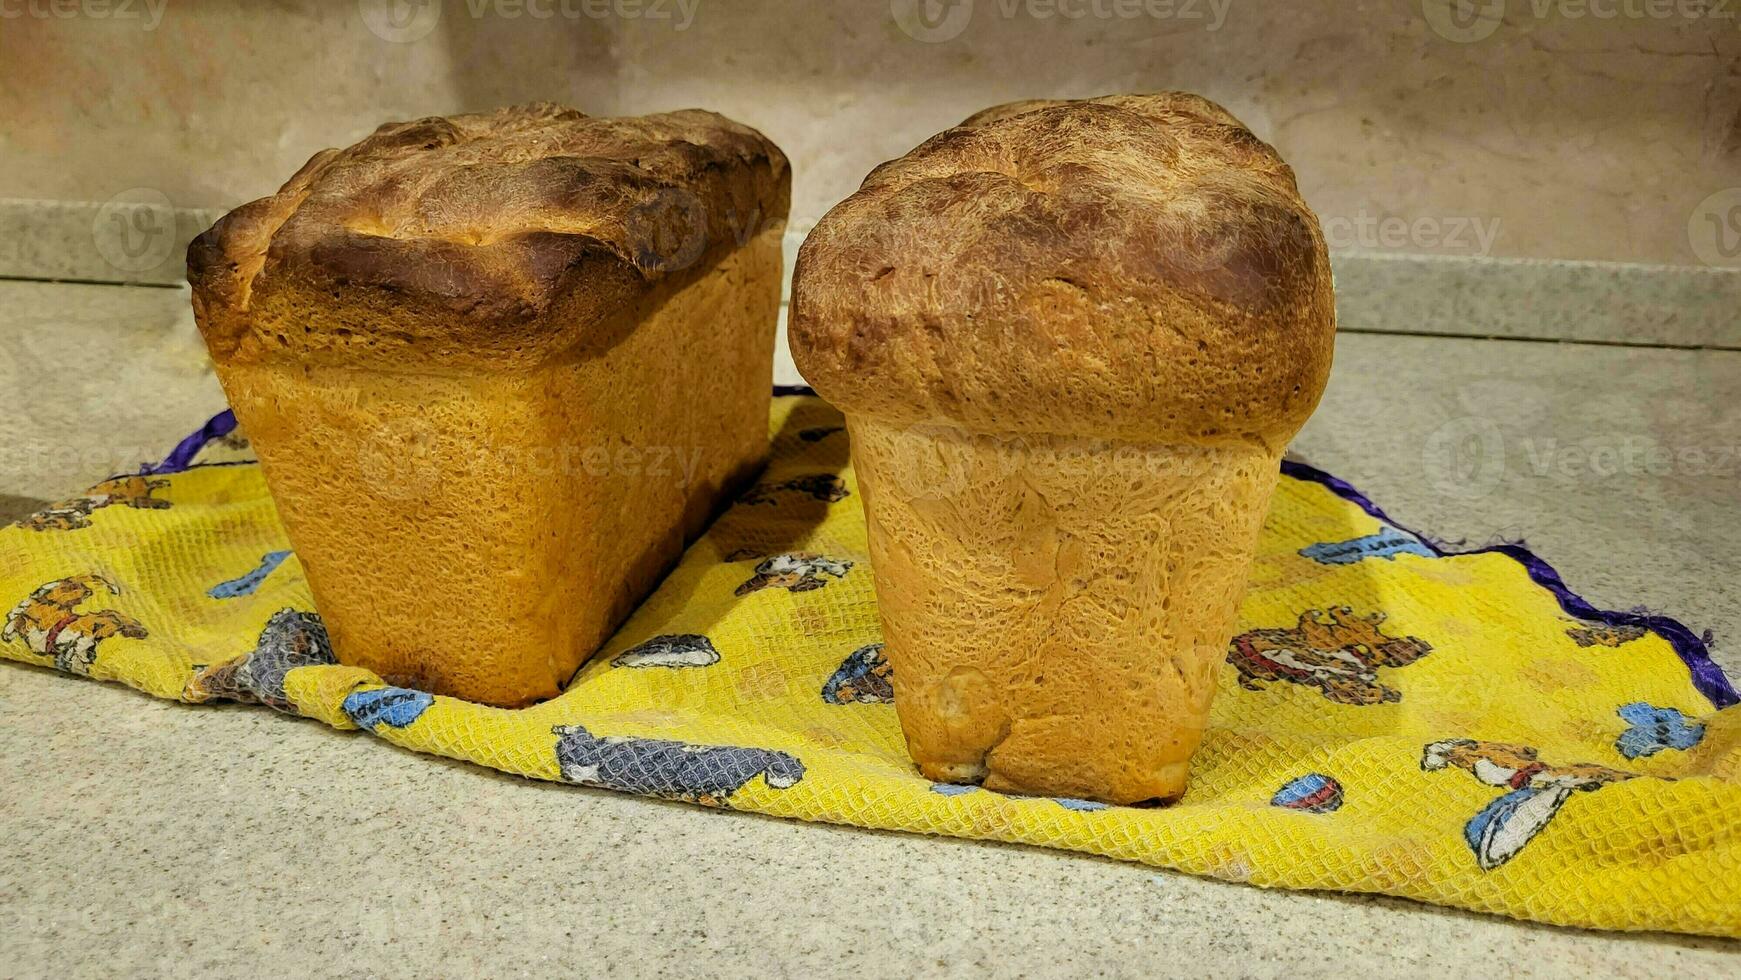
x=1455, y=728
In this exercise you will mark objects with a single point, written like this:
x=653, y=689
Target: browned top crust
x=1132, y=266
x=468, y=230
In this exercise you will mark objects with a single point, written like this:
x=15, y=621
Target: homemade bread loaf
x=498, y=368
x=1071, y=340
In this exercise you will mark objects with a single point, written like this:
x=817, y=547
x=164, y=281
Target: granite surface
x=135, y=236
x=1598, y=302
x=100, y=380
x=145, y=836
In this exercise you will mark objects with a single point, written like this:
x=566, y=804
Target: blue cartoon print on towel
x=290, y=640
x=1387, y=544
x=670, y=650
x=1079, y=806
x=246, y=585
x=863, y=678
x=1067, y=802
x=707, y=774
x=1312, y=793
x=394, y=707
x=1651, y=729
x=1537, y=791
x=50, y=624
x=1340, y=658
x=796, y=572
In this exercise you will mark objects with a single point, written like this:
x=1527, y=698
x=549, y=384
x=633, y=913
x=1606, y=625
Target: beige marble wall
x=1590, y=129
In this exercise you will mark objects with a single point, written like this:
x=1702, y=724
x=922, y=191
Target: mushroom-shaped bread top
x=1138, y=267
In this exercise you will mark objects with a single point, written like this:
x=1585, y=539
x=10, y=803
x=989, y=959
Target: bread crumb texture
x=1055, y=608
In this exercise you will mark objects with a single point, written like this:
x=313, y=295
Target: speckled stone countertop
x=144, y=836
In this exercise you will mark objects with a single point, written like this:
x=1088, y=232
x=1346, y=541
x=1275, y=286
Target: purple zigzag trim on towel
x=182, y=456
x=1707, y=677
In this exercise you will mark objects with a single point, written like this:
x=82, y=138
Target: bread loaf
x=498, y=369
x=1071, y=340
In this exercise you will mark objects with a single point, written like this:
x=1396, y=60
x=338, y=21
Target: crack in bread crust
x=497, y=219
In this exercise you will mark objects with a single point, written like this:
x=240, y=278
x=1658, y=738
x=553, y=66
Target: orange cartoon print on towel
x=50, y=624
x=1340, y=657
x=1601, y=635
x=825, y=487
x=74, y=513
x=1537, y=791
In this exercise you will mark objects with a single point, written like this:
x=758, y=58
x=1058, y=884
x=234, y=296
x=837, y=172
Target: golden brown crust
x=1133, y=266
x=470, y=231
